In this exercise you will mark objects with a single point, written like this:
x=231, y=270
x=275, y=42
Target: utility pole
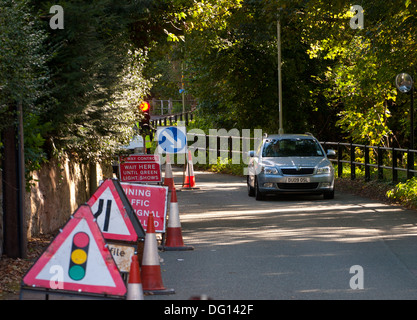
x=281, y=129
x=182, y=88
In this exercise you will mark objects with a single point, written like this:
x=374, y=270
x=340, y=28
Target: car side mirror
x=331, y=153
x=251, y=154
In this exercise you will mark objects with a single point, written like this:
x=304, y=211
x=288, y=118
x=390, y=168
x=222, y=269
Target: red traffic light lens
x=145, y=106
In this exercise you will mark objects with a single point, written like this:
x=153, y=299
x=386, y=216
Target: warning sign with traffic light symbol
x=77, y=260
x=79, y=255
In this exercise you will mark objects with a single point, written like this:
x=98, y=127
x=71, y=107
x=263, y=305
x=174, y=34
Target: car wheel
x=258, y=195
x=329, y=195
x=251, y=190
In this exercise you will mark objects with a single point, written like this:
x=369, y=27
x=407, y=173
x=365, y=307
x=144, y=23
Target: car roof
x=290, y=136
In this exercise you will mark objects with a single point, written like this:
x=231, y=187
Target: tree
x=366, y=62
x=22, y=75
x=96, y=77
x=231, y=68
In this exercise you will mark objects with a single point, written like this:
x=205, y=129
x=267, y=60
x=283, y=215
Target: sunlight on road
x=320, y=222
x=221, y=213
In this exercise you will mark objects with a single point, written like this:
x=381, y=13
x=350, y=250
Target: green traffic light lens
x=76, y=272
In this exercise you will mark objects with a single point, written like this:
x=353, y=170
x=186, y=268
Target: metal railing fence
x=372, y=161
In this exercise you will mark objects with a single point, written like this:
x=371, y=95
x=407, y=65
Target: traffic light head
x=79, y=255
x=145, y=107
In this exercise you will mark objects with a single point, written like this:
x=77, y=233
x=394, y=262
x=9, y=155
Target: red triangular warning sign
x=77, y=260
x=114, y=213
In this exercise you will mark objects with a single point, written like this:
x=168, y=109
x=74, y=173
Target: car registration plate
x=298, y=180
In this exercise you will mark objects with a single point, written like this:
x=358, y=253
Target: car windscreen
x=292, y=148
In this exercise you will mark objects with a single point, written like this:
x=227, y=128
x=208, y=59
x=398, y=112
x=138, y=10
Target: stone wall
x=60, y=187
x=59, y=190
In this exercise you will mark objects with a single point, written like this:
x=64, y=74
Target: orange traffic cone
x=168, y=179
x=151, y=269
x=134, y=286
x=174, y=239
x=189, y=179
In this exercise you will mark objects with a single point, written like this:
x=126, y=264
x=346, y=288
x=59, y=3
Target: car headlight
x=323, y=170
x=270, y=170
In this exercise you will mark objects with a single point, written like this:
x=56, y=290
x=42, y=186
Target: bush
x=224, y=166
x=406, y=192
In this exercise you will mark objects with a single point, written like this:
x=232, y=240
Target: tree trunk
x=14, y=237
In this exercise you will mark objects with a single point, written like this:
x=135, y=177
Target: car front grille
x=295, y=172
x=298, y=186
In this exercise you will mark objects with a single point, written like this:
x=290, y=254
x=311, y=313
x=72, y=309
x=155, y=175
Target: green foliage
x=229, y=54
x=80, y=86
x=405, y=192
x=333, y=76
x=23, y=77
x=224, y=166
x=22, y=58
x=366, y=63
x=35, y=155
x=97, y=80
x=232, y=70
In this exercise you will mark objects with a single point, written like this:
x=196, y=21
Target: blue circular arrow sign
x=172, y=140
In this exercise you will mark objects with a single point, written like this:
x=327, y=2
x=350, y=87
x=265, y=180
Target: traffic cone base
x=152, y=282
x=189, y=182
x=174, y=241
x=151, y=278
x=151, y=269
x=189, y=177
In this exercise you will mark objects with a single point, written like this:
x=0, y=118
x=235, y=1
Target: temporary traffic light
x=145, y=107
x=145, y=125
x=79, y=255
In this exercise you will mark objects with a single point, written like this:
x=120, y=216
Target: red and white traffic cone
x=168, y=179
x=134, y=286
x=151, y=269
x=189, y=178
x=174, y=240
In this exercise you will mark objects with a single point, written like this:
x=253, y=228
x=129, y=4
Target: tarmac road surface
x=288, y=247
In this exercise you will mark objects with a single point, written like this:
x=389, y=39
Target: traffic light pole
x=281, y=129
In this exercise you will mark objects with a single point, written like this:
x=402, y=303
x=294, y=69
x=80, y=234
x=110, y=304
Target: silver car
x=290, y=163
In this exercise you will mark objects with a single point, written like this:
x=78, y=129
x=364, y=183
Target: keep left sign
x=113, y=214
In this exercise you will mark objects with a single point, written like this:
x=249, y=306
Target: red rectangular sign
x=146, y=199
x=140, y=168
